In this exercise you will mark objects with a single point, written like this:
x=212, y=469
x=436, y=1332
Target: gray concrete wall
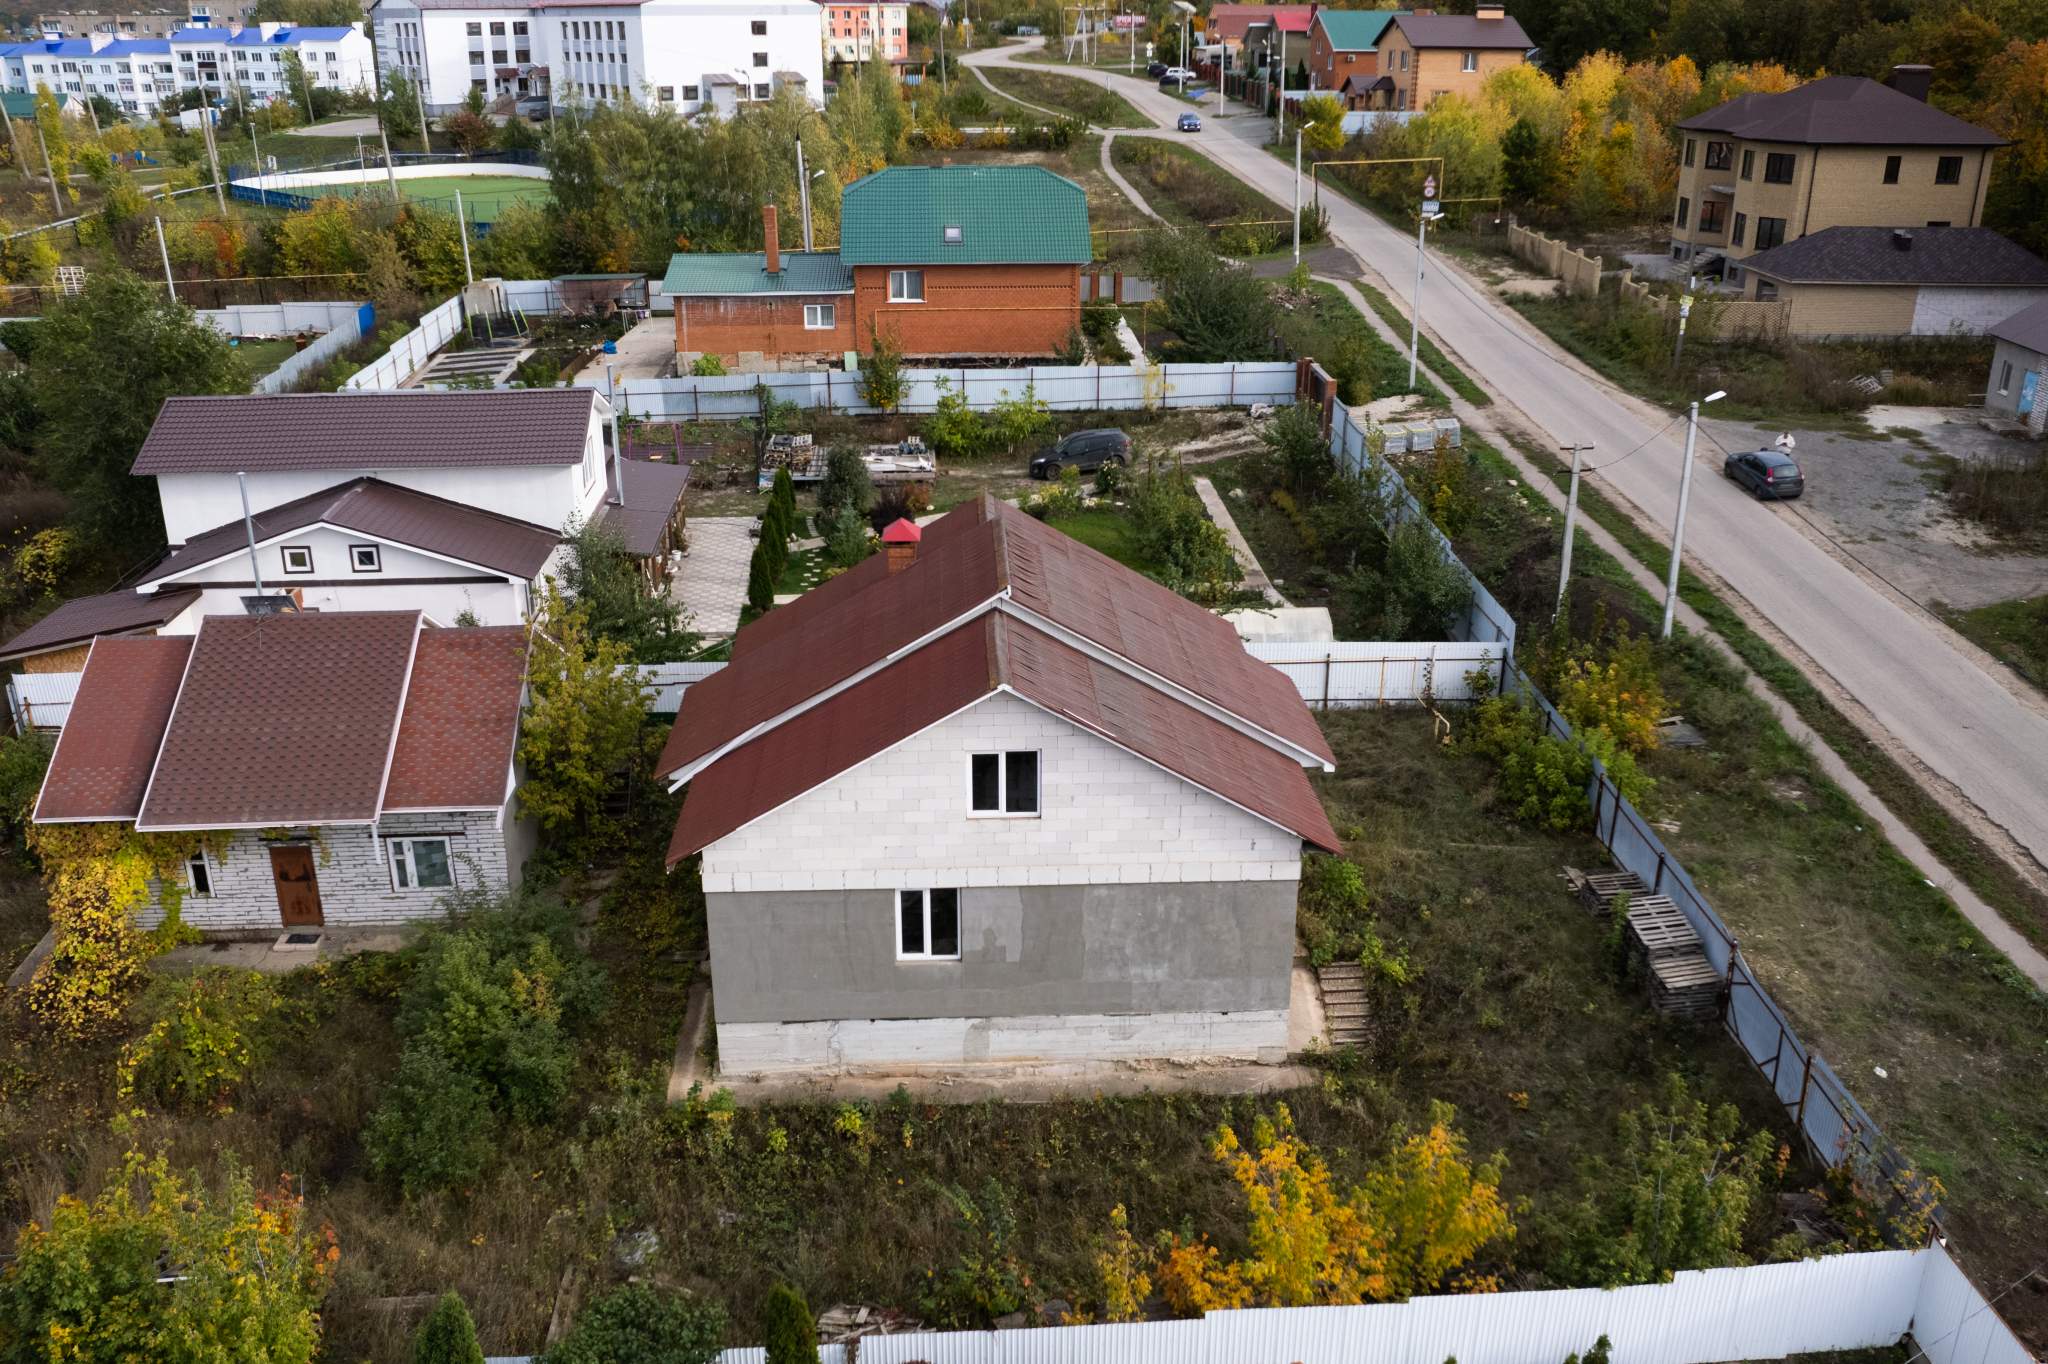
x=2021, y=360
x=1027, y=951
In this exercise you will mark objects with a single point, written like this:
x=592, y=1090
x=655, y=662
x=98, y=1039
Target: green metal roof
x=1005, y=215
x=746, y=272
x=1355, y=30
x=21, y=104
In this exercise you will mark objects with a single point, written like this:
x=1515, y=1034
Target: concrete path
x=1963, y=724
x=2002, y=935
x=1219, y=511
x=689, y=1068
x=1116, y=177
x=711, y=581
x=340, y=127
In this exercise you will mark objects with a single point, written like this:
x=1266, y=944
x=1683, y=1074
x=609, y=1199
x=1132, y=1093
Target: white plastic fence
x=1366, y=673
x=1059, y=387
x=41, y=700
x=413, y=349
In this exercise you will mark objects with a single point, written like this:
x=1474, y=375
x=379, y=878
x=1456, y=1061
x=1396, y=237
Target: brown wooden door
x=298, y=893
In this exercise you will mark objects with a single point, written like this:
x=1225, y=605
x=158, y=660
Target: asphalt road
x=1906, y=670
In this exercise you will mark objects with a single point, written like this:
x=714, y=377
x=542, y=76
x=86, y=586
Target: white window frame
x=365, y=559
x=820, y=317
x=2004, y=377
x=899, y=286
x=1471, y=62
x=285, y=554
x=924, y=904
x=400, y=850
x=1002, y=810
x=205, y=863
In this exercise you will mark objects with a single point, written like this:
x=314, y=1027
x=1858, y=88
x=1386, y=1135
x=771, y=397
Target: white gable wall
x=901, y=820
x=407, y=581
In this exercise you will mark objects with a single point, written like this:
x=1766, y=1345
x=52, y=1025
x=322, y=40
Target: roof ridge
x=1002, y=541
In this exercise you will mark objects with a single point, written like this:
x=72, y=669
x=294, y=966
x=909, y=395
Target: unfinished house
x=992, y=797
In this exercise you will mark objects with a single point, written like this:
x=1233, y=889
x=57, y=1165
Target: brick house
x=949, y=261
x=1429, y=55
x=992, y=797
x=341, y=769
x=1343, y=56
x=1762, y=170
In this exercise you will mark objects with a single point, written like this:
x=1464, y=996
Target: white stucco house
x=992, y=797
x=343, y=769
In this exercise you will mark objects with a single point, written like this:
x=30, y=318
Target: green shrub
x=1174, y=532
x=846, y=482
x=708, y=367
x=881, y=374
x=846, y=538
x=1542, y=778
x=1062, y=498
x=205, y=1034
x=434, y=1128
x=955, y=429
x=760, y=581
x=788, y=1329
x=448, y=1336
x=640, y=1324
x=986, y=1280
x=24, y=759
x=1014, y=421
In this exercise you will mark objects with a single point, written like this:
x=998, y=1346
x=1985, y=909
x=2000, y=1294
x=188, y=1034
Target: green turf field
x=484, y=197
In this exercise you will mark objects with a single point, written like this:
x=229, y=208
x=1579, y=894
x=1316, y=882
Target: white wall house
x=690, y=55
x=136, y=74
x=141, y=74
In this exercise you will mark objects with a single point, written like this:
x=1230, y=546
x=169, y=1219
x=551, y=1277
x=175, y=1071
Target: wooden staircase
x=1346, y=1020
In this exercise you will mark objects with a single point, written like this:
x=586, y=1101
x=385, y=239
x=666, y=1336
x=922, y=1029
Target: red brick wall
x=972, y=309
x=1328, y=68
x=773, y=325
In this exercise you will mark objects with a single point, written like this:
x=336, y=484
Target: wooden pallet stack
x=1682, y=984
x=1345, y=1018
x=1599, y=891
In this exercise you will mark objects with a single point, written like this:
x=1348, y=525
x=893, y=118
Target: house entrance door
x=298, y=893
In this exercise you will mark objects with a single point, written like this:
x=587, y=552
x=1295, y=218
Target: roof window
x=952, y=235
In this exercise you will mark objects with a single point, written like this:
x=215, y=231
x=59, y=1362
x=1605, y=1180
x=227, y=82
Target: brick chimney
x=899, y=544
x=1912, y=79
x=1487, y=11
x=772, y=239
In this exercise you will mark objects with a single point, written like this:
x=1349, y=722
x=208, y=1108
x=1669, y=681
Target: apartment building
x=253, y=58
x=1427, y=56
x=153, y=23
x=862, y=33
x=1763, y=170
x=136, y=74
x=695, y=56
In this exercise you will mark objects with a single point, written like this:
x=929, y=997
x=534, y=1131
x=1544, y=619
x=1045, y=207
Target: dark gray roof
x=1868, y=255
x=109, y=613
x=1461, y=30
x=1841, y=110
x=649, y=506
x=2027, y=328
x=411, y=429
x=384, y=511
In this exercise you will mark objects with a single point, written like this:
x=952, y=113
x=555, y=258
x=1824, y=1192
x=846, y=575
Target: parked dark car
x=1766, y=473
x=533, y=107
x=1190, y=123
x=1083, y=450
x=1156, y=70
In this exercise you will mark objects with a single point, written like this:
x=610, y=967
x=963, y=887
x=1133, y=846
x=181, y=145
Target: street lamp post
x=1428, y=215
x=1571, y=519
x=1692, y=428
x=1297, y=196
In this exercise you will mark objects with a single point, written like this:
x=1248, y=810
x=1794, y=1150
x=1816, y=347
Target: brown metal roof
x=461, y=722
x=959, y=668
x=365, y=432
x=1462, y=30
x=652, y=492
x=103, y=758
x=1841, y=110
x=283, y=720
x=383, y=511
x=109, y=613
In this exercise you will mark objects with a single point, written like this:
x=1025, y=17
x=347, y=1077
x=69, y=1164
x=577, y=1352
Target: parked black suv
x=1766, y=473
x=1083, y=450
x=1156, y=70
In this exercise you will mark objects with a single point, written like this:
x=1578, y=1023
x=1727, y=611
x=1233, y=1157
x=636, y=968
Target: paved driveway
x=711, y=583
x=1927, y=691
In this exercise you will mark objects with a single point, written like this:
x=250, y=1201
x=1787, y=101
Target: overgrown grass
x=1068, y=95
x=2014, y=631
x=1187, y=189
x=2008, y=497
x=1322, y=320
x=1108, y=530
x=1433, y=356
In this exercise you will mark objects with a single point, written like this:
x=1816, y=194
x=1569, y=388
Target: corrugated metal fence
x=41, y=700
x=1367, y=673
x=340, y=326
x=1059, y=387
x=412, y=350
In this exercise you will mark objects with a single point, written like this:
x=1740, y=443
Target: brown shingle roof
x=960, y=668
x=103, y=758
x=384, y=511
x=1841, y=111
x=461, y=722
x=1958, y=256
x=283, y=720
x=409, y=429
x=1462, y=30
x=652, y=492
x=109, y=613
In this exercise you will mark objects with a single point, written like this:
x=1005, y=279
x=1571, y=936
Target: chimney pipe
x=1489, y=11
x=899, y=544
x=771, y=238
x=249, y=526
x=1912, y=79
x=1902, y=240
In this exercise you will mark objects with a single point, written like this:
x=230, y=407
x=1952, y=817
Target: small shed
x=2018, y=386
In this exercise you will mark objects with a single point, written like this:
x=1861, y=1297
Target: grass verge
x=1189, y=190
x=1076, y=98
x=1322, y=321
x=2016, y=632
x=1432, y=354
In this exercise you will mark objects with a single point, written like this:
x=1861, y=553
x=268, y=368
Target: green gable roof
x=1006, y=215
x=21, y=104
x=696, y=274
x=1355, y=30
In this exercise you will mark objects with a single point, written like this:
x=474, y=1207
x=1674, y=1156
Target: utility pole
x=462, y=225
x=1280, y=97
x=419, y=103
x=1429, y=214
x=390, y=171
x=803, y=190
x=50, y=170
x=1297, y=203
x=1571, y=520
x=170, y=283
x=1684, y=311
x=14, y=145
x=1692, y=429
x=220, y=194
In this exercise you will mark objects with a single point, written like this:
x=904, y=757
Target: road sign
x=1430, y=208
x=1429, y=188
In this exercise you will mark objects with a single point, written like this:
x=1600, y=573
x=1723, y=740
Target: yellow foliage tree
x=1120, y=1271
x=1435, y=1208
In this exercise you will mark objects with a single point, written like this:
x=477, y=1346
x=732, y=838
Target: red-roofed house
x=339, y=769
x=993, y=797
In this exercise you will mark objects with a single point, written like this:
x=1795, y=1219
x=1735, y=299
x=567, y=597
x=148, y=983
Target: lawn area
x=1065, y=94
x=264, y=354
x=2015, y=632
x=483, y=196
x=1107, y=530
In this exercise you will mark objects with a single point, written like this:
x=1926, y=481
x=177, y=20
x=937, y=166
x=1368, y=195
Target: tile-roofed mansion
x=949, y=261
x=992, y=796
x=344, y=770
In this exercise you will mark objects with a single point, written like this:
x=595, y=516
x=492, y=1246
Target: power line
x=1596, y=468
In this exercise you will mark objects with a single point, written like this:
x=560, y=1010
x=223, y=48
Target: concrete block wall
x=901, y=819
x=888, y=1045
x=351, y=866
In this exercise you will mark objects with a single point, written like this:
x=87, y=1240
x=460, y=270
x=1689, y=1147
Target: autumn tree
x=583, y=727
x=1322, y=124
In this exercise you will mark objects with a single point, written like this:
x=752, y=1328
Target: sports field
x=484, y=197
